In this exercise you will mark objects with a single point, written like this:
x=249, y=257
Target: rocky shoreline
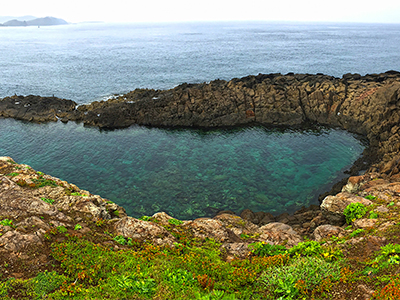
x=37, y=205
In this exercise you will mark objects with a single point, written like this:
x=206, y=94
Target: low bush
x=354, y=211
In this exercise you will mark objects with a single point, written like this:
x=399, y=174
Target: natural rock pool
x=187, y=173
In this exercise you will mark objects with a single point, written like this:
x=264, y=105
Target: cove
x=188, y=173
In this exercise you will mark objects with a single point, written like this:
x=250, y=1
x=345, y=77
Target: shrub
x=265, y=249
x=7, y=222
x=310, y=248
x=354, y=211
x=175, y=222
x=62, y=229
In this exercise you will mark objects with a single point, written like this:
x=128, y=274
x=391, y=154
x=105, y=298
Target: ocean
x=187, y=173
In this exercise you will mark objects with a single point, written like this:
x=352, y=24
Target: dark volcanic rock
x=35, y=108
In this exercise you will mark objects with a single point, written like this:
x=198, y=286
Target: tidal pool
x=187, y=173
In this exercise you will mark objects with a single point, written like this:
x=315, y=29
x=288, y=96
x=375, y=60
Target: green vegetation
x=41, y=182
x=145, y=218
x=78, y=194
x=12, y=174
x=356, y=232
x=175, y=222
x=47, y=200
x=7, y=222
x=78, y=227
x=354, y=211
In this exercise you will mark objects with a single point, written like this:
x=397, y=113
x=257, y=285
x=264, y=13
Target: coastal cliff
x=41, y=216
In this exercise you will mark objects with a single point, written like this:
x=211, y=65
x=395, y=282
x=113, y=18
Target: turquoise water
x=187, y=173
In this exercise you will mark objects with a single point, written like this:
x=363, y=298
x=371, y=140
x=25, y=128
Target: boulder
x=143, y=231
x=237, y=225
x=211, y=228
x=279, y=233
x=15, y=241
x=327, y=231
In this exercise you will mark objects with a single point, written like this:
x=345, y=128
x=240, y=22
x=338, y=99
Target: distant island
x=33, y=21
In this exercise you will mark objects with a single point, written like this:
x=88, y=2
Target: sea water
x=187, y=173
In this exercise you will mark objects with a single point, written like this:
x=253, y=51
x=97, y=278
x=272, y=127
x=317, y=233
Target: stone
x=327, y=231
x=382, y=209
x=236, y=224
x=211, y=228
x=162, y=218
x=279, y=233
x=143, y=231
x=15, y=241
x=364, y=223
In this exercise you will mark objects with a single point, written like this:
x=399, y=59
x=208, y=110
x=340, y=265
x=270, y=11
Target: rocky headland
x=367, y=105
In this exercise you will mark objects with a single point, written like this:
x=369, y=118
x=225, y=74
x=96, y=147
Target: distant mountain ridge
x=27, y=21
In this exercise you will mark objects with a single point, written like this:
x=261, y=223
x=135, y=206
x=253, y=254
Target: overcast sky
x=371, y=11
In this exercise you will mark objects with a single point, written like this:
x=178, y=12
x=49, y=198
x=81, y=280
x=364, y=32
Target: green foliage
x=179, y=278
x=265, y=249
x=145, y=287
x=40, y=173
x=302, y=276
x=215, y=295
x=41, y=182
x=78, y=194
x=50, y=201
x=175, y=222
x=145, y=218
x=373, y=215
x=46, y=282
x=309, y=248
x=78, y=227
x=370, y=197
x=390, y=204
x=391, y=291
x=62, y=229
x=5, y=287
x=354, y=211
x=7, y=222
x=12, y=174
x=356, y=232
x=123, y=240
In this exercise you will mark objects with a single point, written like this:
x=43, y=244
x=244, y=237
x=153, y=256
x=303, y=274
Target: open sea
x=187, y=173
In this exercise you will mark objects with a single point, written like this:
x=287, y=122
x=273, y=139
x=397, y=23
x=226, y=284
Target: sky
x=369, y=11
